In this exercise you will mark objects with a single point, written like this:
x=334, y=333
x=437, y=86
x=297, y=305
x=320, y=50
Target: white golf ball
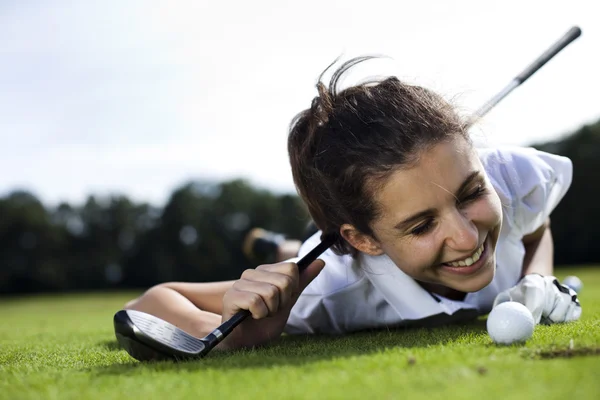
x=573, y=282
x=510, y=322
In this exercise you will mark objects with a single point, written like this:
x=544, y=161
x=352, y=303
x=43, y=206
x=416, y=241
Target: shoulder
x=521, y=163
x=340, y=271
x=336, y=301
x=529, y=182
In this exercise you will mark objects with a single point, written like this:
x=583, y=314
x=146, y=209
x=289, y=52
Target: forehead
x=438, y=173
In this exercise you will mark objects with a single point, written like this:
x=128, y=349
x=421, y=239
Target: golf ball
x=510, y=322
x=573, y=282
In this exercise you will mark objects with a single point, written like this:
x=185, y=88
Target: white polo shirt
x=372, y=292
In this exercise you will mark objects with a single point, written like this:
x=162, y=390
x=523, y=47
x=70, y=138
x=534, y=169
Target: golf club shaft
x=563, y=42
x=226, y=327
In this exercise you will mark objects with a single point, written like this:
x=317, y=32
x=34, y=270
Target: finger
x=310, y=273
x=236, y=300
x=286, y=268
x=502, y=297
x=573, y=313
x=284, y=277
x=536, y=296
x=561, y=306
x=574, y=297
x=535, y=300
x=267, y=291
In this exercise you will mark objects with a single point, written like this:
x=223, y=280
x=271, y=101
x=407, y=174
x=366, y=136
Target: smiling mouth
x=468, y=261
x=469, y=265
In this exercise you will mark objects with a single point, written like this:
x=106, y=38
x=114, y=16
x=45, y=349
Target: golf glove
x=548, y=300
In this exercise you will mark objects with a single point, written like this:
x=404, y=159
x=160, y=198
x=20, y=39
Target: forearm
x=193, y=307
x=539, y=252
x=171, y=306
x=207, y=296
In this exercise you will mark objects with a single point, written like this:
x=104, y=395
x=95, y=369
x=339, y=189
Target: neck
x=445, y=291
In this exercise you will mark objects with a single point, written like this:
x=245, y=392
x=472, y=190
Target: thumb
x=310, y=273
x=534, y=298
x=502, y=297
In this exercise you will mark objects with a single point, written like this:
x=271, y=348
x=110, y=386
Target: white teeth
x=469, y=260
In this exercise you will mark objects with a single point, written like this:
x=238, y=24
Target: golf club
x=147, y=338
x=553, y=50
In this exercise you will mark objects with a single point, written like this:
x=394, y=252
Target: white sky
x=137, y=97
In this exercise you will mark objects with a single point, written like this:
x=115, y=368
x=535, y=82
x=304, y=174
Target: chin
x=479, y=281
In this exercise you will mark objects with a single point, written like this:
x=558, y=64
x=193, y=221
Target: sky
x=140, y=97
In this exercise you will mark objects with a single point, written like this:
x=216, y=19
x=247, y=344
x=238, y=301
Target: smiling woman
x=448, y=212
x=427, y=228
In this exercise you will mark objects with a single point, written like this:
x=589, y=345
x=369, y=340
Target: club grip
x=303, y=263
x=312, y=255
x=563, y=42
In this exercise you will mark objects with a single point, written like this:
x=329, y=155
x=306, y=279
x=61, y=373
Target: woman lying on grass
x=429, y=229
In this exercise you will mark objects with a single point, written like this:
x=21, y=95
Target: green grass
x=63, y=347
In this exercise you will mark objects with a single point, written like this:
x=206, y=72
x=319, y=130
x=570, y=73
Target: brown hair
x=347, y=143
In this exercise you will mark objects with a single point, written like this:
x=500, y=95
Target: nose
x=461, y=233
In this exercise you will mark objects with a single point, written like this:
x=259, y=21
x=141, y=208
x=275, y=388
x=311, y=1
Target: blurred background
x=140, y=141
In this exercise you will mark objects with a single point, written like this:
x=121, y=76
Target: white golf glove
x=548, y=300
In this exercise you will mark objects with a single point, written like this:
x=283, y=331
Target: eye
x=423, y=228
x=479, y=191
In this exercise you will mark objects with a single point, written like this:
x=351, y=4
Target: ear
x=360, y=241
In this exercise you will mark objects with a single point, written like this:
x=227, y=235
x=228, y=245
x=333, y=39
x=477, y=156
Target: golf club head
x=148, y=338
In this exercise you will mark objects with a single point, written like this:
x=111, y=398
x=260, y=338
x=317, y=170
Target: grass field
x=63, y=347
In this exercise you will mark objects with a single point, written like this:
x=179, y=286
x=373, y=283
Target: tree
x=574, y=226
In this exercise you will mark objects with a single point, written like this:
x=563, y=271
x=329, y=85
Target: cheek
x=413, y=255
x=492, y=201
x=487, y=212
x=495, y=208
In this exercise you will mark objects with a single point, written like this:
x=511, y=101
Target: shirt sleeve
x=534, y=182
x=309, y=314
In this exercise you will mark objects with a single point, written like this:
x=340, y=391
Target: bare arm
x=206, y=296
x=539, y=252
x=194, y=307
x=198, y=308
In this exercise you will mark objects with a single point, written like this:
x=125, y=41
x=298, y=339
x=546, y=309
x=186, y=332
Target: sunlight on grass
x=63, y=347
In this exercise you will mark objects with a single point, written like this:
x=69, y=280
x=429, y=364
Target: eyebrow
x=473, y=176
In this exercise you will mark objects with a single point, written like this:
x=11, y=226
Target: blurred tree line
x=197, y=236
x=113, y=242
x=575, y=226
